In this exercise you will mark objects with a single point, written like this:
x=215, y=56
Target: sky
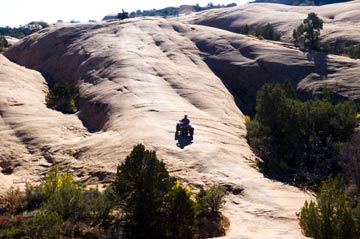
x=19, y=12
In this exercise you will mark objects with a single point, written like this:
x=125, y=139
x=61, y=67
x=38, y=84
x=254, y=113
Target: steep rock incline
x=23, y=155
x=245, y=64
x=137, y=78
x=341, y=20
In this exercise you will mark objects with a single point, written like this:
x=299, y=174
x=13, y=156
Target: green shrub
x=210, y=201
x=258, y=138
x=13, y=32
x=142, y=183
x=295, y=137
x=342, y=48
x=267, y=32
x=354, y=51
x=180, y=208
x=34, y=196
x=12, y=226
x=331, y=217
x=262, y=32
x=11, y=202
x=62, y=97
x=3, y=43
x=73, y=203
x=143, y=202
x=209, y=221
x=44, y=224
x=244, y=29
x=56, y=208
x=156, y=205
x=67, y=202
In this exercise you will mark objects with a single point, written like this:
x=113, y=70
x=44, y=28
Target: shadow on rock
x=183, y=141
x=320, y=61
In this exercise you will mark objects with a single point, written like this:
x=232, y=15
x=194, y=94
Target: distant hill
x=171, y=11
x=302, y=2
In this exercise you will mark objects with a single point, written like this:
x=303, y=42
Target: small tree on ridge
x=307, y=34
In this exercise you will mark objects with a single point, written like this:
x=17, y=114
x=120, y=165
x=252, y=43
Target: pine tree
x=142, y=183
x=307, y=34
x=331, y=217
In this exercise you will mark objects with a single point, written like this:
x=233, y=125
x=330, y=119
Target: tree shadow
x=320, y=61
x=183, y=141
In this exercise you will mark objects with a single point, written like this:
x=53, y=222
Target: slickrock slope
x=137, y=78
x=11, y=40
x=341, y=20
x=31, y=134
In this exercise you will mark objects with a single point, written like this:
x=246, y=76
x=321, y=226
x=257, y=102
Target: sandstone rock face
x=137, y=77
x=11, y=40
x=28, y=129
x=341, y=21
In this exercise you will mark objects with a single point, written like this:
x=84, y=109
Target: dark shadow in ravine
x=183, y=141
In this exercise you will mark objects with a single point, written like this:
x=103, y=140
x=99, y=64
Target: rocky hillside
x=137, y=77
x=341, y=20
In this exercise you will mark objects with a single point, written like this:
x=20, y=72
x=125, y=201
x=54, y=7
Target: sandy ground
x=137, y=78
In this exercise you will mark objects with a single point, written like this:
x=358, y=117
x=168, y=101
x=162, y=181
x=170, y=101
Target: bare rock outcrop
x=25, y=156
x=137, y=77
x=243, y=63
x=341, y=20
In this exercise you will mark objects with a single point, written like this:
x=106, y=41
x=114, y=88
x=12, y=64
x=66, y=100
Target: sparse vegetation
x=354, y=51
x=3, y=43
x=209, y=221
x=157, y=205
x=22, y=31
x=56, y=208
x=143, y=202
x=267, y=32
x=262, y=32
x=174, y=11
x=309, y=143
x=13, y=32
x=307, y=34
x=331, y=217
x=299, y=140
x=142, y=184
x=62, y=97
x=342, y=48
